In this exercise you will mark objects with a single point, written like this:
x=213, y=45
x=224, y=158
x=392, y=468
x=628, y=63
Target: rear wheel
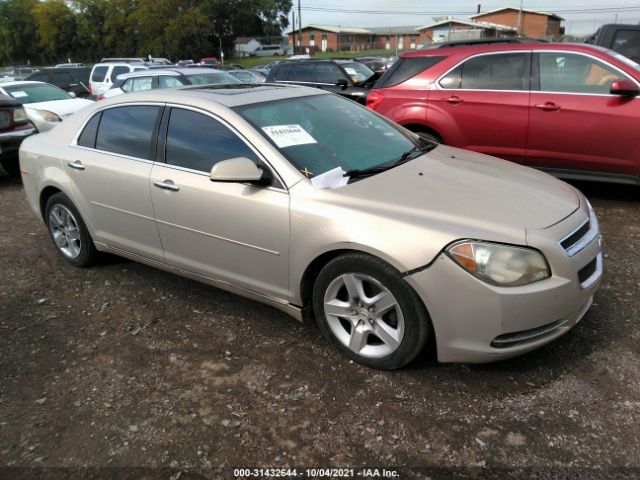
x=69, y=232
x=369, y=313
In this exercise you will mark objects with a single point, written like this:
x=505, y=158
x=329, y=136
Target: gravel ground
x=126, y=366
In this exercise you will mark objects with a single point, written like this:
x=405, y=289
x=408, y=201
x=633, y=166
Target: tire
x=11, y=165
x=68, y=231
x=386, y=333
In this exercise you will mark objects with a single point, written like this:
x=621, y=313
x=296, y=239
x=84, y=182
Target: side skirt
x=287, y=308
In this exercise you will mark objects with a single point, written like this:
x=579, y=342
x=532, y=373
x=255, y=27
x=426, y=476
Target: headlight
x=500, y=265
x=19, y=115
x=49, y=116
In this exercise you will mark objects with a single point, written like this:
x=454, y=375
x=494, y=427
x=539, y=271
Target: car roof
x=170, y=71
x=466, y=50
x=231, y=95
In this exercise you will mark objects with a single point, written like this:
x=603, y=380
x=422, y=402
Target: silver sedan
x=310, y=203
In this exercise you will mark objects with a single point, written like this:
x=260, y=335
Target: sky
x=582, y=17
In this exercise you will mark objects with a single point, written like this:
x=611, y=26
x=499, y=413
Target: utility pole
x=300, y=24
x=520, y=18
x=293, y=30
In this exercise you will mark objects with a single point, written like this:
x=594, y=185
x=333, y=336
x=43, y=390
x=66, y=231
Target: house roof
x=482, y=25
x=547, y=14
x=393, y=30
x=333, y=29
x=244, y=40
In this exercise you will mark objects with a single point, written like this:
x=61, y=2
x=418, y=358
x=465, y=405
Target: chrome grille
x=5, y=118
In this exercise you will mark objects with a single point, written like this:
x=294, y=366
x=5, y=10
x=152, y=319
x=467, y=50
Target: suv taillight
x=374, y=99
x=90, y=89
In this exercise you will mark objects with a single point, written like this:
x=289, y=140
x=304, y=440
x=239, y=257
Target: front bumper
x=475, y=322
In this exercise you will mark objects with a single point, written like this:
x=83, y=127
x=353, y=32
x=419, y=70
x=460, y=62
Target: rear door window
x=128, y=130
x=197, y=141
x=62, y=78
x=328, y=73
x=99, y=73
x=505, y=71
x=300, y=72
x=166, y=81
x=405, y=68
x=118, y=71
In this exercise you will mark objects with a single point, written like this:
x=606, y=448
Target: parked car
x=210, y=62
x=306, y=201
x=69, y=65
x=348, y=78
x=46, y=105
x=14, y=127
x=70, y=79
x=230, y=66
x=104, y=74
x=375, y=64
x=248, y=75
x=11, y=74
x=624, y=39
x=168, y=78
x=569, y=109
x=268, y=51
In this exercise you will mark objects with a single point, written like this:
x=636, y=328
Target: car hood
x=463, y=194
x=62, y=108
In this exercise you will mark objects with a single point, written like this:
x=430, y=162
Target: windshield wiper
x=407, y=156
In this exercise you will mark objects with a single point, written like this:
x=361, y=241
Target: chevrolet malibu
x=310, y=203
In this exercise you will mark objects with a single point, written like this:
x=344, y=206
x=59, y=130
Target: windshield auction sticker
x=288, y=135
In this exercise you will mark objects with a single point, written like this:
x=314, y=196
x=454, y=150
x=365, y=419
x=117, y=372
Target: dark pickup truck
x=14, y=127
x=624, y=39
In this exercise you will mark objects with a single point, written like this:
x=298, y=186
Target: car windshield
x=36, y=93
x=212, y=79
x=358, y=72
x=322, y=132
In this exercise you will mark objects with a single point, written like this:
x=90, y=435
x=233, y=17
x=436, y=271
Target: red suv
x=569, y=109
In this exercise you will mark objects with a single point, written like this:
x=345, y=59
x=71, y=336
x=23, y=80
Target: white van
x=104, y=74
x=268, y=51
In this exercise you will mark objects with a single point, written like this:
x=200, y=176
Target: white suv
x=104, y=74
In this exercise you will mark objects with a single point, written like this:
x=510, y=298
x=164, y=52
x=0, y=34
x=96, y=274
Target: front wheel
x=68, y=231
x=369, y=313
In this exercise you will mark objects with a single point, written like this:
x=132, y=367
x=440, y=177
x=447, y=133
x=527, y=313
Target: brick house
x=532, y=23
x=389, y=38
x=450, y=29
x=327, y=38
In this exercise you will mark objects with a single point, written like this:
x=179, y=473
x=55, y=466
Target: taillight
x=374, y=99
x=100, y=97
x=90, y=89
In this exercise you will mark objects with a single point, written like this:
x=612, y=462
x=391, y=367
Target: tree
x=55, y=28
x=18, y=32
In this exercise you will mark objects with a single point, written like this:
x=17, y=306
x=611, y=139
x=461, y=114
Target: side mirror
x=72, y=94
x=342, y=82
x=236, y=170
x=625, y=87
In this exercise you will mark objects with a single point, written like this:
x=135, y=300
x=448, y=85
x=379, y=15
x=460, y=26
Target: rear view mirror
x=624, y=87
x=237, y=170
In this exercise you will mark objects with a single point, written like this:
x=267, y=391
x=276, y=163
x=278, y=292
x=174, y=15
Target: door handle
x=454, y=100
x=77, y=165
x=167, y=185
x=548, y=107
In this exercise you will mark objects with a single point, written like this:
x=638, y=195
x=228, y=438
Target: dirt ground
x=122, y=366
